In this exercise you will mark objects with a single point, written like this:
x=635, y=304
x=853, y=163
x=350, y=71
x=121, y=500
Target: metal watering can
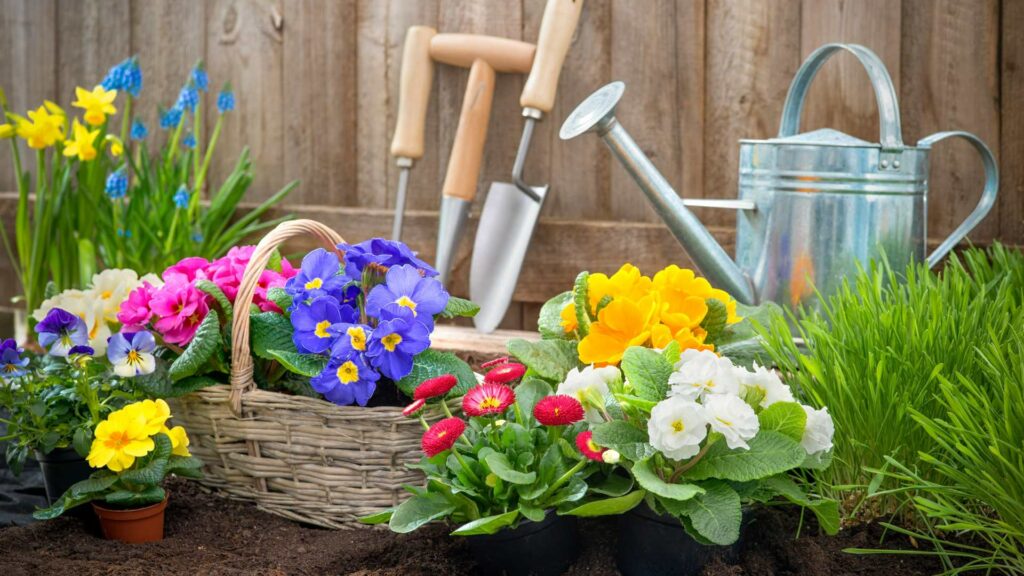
x=812, y=206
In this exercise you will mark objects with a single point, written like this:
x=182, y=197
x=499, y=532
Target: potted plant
x=134, y=450
x=55, y=400
x=504, y=473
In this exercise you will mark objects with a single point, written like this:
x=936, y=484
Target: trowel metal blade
x=452, y=222
x=502, y=239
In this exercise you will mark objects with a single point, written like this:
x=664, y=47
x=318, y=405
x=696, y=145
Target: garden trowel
x=511, y=209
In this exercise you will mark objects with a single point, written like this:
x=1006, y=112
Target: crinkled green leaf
x=649, y=480
x=199, y=350
x=304, y=364
x=770, y=453
x=628, y=440
x=715, y=514
x=581, y=302
x=217, y=294
x=149, y=495
x=460, y=307
x=549, y=323
x=270, y=331
x=715, y=320
x=154, y=470
x=432, y=363
x=648, y=372
x=548, y=359
x=788, y=418
x=278, y=296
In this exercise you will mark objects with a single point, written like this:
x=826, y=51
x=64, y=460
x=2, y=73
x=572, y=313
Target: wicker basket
x=298, y=457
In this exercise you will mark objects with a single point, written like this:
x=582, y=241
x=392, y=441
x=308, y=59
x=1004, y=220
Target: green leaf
x=649, y=480
x=531, y=512
x=614, y=485
x=549, y=323
x=270, y=331
x=82, y=441
x=607, y=506
x=432, y=363
x=581, y=302
x=419, y=510
x=818, y=460
x=502, y=468
x=648, y=371
x=63, y=504
x=381, y=517
x=190, y=384
x=200, y=349
x=549, y=359
x=217, y=294
x=785, y=417
x=149, y=495
x=628, y=440
x=716, y=513
x=715, y=320
x=304, y=364
x=185, y=466
x=487, y=524
x=278, y=296
x=460, y=307
x=827, y=511
x=770, y=453
x=529, y=393
x=97, y=483
x=673, y=352
x=154, y=470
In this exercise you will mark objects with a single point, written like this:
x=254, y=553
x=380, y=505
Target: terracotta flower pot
x=134, y=525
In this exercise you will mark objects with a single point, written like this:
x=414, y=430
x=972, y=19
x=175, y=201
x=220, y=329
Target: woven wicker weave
x=298, y=457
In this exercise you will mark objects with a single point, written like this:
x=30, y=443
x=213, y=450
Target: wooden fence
x=317, y=81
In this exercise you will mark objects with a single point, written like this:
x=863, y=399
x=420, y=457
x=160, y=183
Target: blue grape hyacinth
x=187, y=98
x=189, y=141
x=181, y=197
x=138, y=130
x=226, y=100
x=170, y=118
x=117, y=184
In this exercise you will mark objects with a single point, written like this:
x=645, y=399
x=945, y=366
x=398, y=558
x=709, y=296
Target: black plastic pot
x=545, y=548
x=652, y=544
x=61, y=468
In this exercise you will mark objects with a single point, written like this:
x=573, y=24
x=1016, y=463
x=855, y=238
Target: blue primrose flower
x=131, y=353
x=320, y=275
x=226, y=100
x=170, y=118
x=60, y=331
x=396, y=340
x=318, y=323
x=352, y=339
x=405, y=287
x=200, y=78
x=117, y=184
x=189, y=141
x=347, y=379
x=381, y=253
x=138, y=130
x=181, y=197
x=187, y=98
x=12, y=364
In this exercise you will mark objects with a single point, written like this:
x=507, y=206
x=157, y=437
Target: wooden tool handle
x=556, y=30
x=413, y=93
x=468, y=149
x=503, y=55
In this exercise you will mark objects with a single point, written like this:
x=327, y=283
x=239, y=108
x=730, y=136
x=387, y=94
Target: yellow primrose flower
x=662, y=336
x=568, y=318
x=678, y=286
x=154, y=414
x=620, y=324
x=179, y=440
x=119, y=440
x=98, y=104
x=82, y=143
x=627, y=282
x=7, y=131
x=42, y=129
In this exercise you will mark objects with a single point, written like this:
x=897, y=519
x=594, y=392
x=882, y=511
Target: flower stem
x=126, y=119
x=465, y=466
x=209, y=152
x=423, y=421
x=562, y=480
x=444, y=407
x=679, y=471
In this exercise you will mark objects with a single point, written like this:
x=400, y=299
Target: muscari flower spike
x=170, y=118
x=117, y=77
x=134, y=81
x=12, y=365
x=138, y=130
x=187, y=98
x=181, y=197
x=189, y=141
x=117, y=184
x=226, y=99
x=200, y=78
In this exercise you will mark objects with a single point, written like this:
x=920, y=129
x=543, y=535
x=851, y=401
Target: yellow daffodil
x=98, y=104
x=620, y=324
x=119, y=440
x=627, y=282
x=42, y=129
x=154, y=413
x=81, y=145
x=179, y=440
x=7, y=131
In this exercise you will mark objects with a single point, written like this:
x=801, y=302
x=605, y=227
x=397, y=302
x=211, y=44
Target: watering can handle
x=885, y=93
x=988, y=193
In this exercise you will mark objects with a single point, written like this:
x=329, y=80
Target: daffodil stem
x=562, y=480
x=126, y=120
x=465, y=466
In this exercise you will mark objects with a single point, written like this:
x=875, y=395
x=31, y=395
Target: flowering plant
x=55, y=400
x=134, y=450
x=520, y=452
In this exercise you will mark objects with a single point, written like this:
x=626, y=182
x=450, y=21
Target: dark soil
x=209, y=535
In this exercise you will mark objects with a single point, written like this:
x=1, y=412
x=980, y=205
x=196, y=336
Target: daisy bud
x=491, y=480
x=414, y=407
x=610, y=457
x=495, y=362
x=499, y=423
x=505, y=373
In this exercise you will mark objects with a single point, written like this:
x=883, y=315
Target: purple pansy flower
x=60, y=331
x=12, y=364
x=396, y=340
x=81, y=350
x=320, y=275
x=383, y=253
x=404, y=286
x=131, y=353
x=347, y=379
x=317, y=323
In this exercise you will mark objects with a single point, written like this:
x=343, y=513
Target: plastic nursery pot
x=61, y=468
x=545, y=548
x=133, y=525
x=652, y=543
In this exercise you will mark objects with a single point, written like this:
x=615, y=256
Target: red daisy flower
x=558, y=410
x=505, y=373
x=585, y=442
x=414, y=407
x=487, y=399
x=495, y=362
x=434, y=387
x=442, y=436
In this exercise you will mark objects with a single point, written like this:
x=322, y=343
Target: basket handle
x=241, y=356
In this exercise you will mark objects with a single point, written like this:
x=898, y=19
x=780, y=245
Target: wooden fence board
x=1011, y=143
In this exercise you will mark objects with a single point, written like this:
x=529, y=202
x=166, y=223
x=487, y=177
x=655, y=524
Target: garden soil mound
x=209, y=535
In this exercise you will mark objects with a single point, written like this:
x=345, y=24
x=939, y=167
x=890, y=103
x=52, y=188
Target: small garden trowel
x=511, y=209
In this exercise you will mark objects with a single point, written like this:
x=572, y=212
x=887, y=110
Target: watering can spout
x=597, y=114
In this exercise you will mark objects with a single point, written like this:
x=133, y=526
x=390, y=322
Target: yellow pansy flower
x=179, y=440
x=7, y=131
x=119, y=440
x=81, y=145
x=620, y=324
x=627, y=282
x=98, y=104
x=42, y=129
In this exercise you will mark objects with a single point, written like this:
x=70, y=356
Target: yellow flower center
x=489, y=402
x=10, y=368
x=677, y=426
x=593, y=447
x=357, y=337
x=134, y=358
x=321, y=329
x=407, y=302
x=106, y=294
x=391, y=341
x=314, y=284
x=442, y=434
x=348, y=372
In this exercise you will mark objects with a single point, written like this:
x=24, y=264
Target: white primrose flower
x=819, y=431
x=701, y=372
x=589, y=386
x=677, y=427
x=766, y=382
x=112, y=287
x=733, y=418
